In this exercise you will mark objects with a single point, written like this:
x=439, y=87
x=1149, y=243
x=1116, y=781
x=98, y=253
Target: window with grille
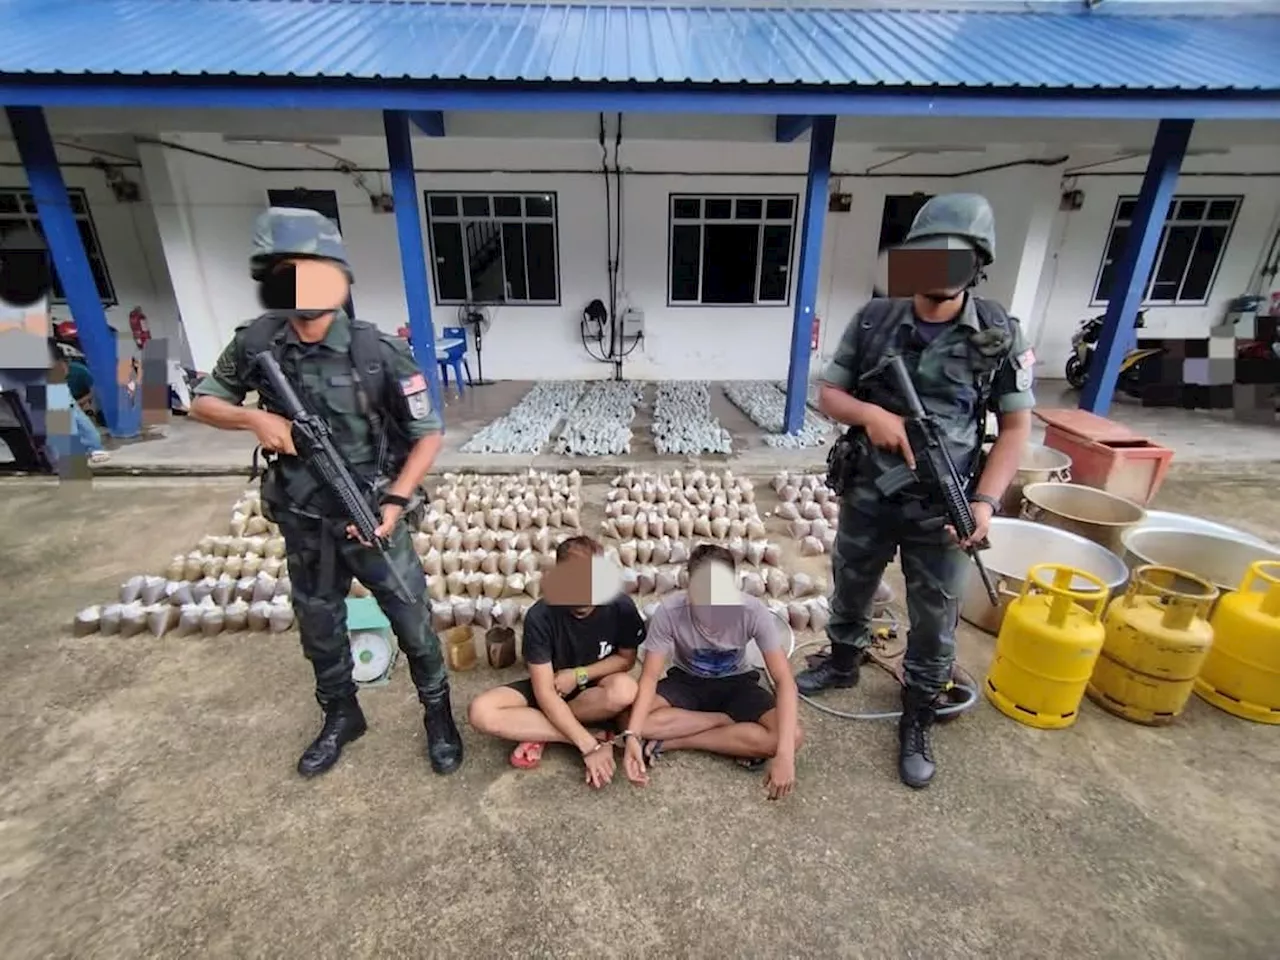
x=18, y=217
x=494, y=248
x=729, y=249
x=1192, y=243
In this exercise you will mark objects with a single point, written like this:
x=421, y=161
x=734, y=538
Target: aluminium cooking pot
x=1093, y=514
x=1017, y=546
x=1038, y=464
x=1184, y=521
x=1223, y=561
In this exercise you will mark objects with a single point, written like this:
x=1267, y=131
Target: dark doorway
x=898, y=214
x=895, y=222
x=323, y=202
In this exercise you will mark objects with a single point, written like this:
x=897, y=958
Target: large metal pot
x=1223, y=561
x=1039, y=464
x=1093, y=514
x=1165, y=520
x=1017, y=546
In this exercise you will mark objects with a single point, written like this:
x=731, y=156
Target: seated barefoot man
x=580, y=640
x=711, y=699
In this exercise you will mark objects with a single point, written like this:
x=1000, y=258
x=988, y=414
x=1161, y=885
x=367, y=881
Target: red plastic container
x=1107, y=455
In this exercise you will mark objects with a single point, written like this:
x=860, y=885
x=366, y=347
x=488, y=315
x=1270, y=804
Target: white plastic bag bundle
x=133, y=619
x=811, y=547
x=798, y=615
x=441, y=615
x=189, y=615
x=236, y=616
x=464, y=612
x=264, y=587
x=280, y=617
x=819, y=612
x=212, y=620
x=223, y=590
x=259, y=616
x=483, y=612
x=152, y=590
x=161, y=618
x=776, y=582
x=87, y=621
x=131, y=589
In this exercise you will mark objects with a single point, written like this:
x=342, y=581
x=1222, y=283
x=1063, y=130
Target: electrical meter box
x=632, y=322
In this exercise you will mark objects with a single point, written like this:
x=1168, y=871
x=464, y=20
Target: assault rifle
x=936, y=471
x=314, y=442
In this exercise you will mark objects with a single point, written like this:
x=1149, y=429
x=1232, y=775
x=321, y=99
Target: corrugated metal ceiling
x=646, y=44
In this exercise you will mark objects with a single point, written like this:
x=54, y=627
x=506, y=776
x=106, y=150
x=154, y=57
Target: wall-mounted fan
x=475, y=318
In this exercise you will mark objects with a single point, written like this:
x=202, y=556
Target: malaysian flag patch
x=416, y=397
x=1024, y=375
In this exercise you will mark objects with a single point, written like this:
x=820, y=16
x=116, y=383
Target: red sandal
x=527, y=755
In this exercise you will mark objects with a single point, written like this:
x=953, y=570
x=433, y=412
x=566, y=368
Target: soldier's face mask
x=308, y=289
x=938, y=275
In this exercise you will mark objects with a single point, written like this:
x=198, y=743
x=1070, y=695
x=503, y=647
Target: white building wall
x=1067, y=287
x=127, y=232
x=207, y=239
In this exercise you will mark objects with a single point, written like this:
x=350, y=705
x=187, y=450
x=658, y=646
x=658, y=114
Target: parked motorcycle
x=1134, y=368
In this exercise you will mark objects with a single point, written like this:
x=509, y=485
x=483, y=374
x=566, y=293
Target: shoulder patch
x=414, y=389
x=1024, y=375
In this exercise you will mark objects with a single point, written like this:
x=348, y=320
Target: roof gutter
x=354, y=94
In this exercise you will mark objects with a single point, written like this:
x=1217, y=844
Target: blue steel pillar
x=66, y=250
x=1133, y=269
x=822, y=139
x=413, y=254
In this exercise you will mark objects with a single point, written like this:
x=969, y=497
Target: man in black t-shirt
x=578, y=652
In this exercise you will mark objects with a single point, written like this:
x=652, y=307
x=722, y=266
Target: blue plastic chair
x=455, y=357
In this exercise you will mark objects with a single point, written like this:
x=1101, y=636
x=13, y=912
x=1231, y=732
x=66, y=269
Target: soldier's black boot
x=444, y=743
x=838, y=670
x=915, y=746
x=343, y=722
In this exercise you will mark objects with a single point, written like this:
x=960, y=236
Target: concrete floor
x=149, y=808
x=191, y=448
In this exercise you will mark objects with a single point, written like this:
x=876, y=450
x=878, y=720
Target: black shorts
x=740, y=696
x=525, y=687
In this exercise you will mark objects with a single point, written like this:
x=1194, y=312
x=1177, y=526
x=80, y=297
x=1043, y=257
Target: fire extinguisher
x=815, y=333
x=139, y=327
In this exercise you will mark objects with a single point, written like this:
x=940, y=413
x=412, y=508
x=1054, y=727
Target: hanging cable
x=604, y=164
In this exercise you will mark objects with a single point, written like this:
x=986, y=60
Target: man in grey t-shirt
x=711, y=699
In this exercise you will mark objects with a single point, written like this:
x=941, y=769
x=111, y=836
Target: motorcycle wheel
x=1076, y=372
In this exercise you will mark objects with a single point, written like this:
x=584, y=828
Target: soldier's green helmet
x=956, y=221
x=288, y=232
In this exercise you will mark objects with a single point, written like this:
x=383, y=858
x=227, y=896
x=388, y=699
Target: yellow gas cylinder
x=1048, y=644
x=1158, y=636
x=1241, y=675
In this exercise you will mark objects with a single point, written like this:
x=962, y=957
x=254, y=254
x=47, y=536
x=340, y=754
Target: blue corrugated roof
x=647, y=44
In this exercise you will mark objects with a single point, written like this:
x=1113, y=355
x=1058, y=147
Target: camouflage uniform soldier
x=965, y=355
x=373, y=396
